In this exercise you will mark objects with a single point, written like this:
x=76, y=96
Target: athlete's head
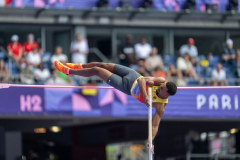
x=166, y=89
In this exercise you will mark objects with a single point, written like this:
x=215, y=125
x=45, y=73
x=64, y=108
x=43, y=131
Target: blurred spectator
x=59, y=56
x=40, y=51
x=184, y=64
x=64, y=77
x=143, y=49
x=4, y=3
x=4, y=73
x=210, y=56
x=147, y=4
x=219, y=76
x=153, y=61
x=15, y=49
x=216, y=145
x=41, y=74
x=26, y=75
x=30, y=44
x=22, y=61
x=141, y=69
x=228, y=54
x=32, y=155
x=127, y=53
x=102, y=3
x=173, y=72
x=119, y=157
x=55, y=79
x=79, y=50
x=238, y=58
x=189, y=48
x=238, y=72
x=158, y=72
x=34, y=58
x=192, y=140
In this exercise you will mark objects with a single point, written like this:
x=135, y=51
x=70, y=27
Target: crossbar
x=6, y=85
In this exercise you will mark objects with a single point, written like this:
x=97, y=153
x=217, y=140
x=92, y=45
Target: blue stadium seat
x=200, y=5
x=231, y=83
x=84, y=4
x=208, y=73
x=14, y=69
x=46, y=59
x=113, y=3
x=132, y=3
x=201, y=57
x=169, y=59
x=2, y=55
x=199, y=70
x=191, y=82
x=172, y=6
x=213, y=61
x=229, y=72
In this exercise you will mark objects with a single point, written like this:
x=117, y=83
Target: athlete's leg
x=112, y=67
x=94, y=71
x=112, y=79
x=107, y=66
x=85, y=72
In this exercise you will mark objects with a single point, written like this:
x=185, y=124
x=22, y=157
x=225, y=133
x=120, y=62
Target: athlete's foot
x=64, y=69
x=74, y=66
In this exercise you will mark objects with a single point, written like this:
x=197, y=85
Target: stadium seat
x=83, y=4
x=14, y=70
x=168, y=5
x=191, y=82
x=201, y=57
x=231, y=83
x=229, y=72
x=199, y=70
x=169, y=59
x=2, y=55
x=213, y=61
x=208, y=73
x=46, y=59
x=115, y=3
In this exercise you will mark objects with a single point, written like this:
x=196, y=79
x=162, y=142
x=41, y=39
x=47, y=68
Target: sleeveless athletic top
x=135, y=92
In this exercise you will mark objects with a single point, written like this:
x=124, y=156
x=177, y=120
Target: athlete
x=129, y=82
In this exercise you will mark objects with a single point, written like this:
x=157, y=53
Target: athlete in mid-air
x=129, y=82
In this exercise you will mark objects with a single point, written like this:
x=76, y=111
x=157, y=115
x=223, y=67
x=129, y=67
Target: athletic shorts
x=123, y=78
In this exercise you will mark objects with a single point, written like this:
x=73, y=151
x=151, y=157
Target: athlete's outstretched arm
x=156, y=81
x=142, y=86
x=160, y=108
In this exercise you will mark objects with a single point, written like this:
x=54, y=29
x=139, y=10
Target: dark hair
x=172, y=88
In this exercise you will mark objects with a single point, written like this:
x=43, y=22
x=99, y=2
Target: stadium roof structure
x=124, y=17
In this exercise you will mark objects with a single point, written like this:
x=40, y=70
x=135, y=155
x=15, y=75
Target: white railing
x=212, y=156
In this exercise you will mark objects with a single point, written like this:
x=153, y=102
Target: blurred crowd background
x=29, y=63
x=196, y=59
x=189, y=42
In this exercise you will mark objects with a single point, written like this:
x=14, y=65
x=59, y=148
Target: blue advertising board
x=187, y=103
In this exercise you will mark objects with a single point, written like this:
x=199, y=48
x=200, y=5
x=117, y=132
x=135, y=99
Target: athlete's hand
x=152, y=148
x=146, y=101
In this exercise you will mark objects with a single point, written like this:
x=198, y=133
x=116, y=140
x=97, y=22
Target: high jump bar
x=6, y=85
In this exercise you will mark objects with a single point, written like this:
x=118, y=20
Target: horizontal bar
x=5, y=85
x=210, y=87
x=209, y=155
x=57, y=86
